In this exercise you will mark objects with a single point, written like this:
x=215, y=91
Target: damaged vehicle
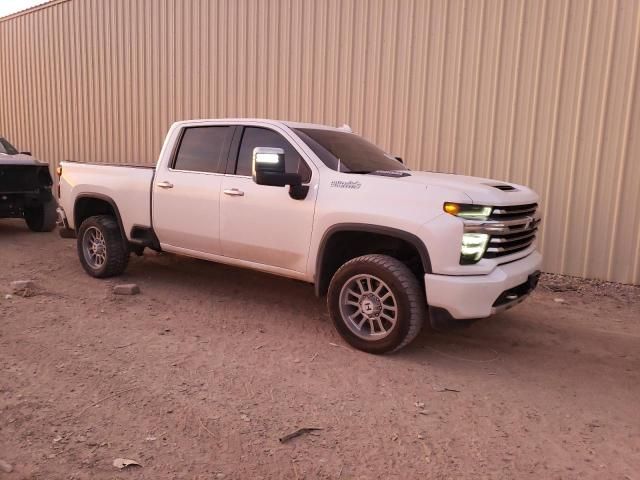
x=25, y=189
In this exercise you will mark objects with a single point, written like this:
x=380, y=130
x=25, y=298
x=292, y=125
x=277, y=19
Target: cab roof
x=318, y=126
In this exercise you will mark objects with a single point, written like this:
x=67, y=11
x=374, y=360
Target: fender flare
x=105, y=198
x=368, y=228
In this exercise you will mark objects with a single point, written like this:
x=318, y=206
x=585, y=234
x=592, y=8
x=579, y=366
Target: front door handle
x=234, y=192
x=165, y=184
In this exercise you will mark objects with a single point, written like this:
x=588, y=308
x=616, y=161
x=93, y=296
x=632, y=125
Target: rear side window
x=203, y=149
x=262, y=137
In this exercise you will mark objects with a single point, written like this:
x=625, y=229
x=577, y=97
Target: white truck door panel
x=186, y=214
x=260, y=223
x=264, y=224
x=186, y=191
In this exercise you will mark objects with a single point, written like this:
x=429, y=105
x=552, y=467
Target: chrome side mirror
x=269, y=169
x=268, y=160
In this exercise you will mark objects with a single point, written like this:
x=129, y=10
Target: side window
x=202, y=149
x=262, y=137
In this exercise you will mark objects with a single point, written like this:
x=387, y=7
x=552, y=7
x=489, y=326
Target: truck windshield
x=348, y=153
x=7, y=148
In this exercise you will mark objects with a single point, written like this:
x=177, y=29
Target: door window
x=262, y=137
x=203, y=149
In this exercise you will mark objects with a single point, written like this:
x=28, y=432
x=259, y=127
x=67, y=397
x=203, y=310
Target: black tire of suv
x=117, y=253
x=405, y=287
x=41, y=218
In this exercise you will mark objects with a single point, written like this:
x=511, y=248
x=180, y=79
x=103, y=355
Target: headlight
x=470, y=212
x=473, y=247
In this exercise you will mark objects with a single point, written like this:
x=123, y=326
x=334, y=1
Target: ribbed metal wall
x=540, y=92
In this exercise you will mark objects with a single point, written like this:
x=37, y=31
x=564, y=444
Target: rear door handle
x=234, y=192
x=165, y=184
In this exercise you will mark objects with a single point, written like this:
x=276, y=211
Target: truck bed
x=127, y=186
x=110, y=164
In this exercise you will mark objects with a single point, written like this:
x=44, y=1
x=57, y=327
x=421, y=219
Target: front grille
x=516, y=231
x=23, y=178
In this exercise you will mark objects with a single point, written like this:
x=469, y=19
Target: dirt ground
x=201, y=374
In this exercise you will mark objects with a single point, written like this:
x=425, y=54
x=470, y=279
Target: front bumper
x=479, y=296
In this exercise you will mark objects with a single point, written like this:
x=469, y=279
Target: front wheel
x=101, y=247
x=41, y=218
x=376, y=303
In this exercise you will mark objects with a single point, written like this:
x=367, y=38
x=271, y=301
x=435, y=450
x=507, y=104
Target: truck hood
x=19, y=159
x=481, y=191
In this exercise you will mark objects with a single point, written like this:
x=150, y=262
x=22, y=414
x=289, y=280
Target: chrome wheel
x=368, y=307
x=94, y=248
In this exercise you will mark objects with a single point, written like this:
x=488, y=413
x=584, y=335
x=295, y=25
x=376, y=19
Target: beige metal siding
x=540, y=92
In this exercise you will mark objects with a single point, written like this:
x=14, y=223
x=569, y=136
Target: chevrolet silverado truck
x=25, y=189
x=390, y=247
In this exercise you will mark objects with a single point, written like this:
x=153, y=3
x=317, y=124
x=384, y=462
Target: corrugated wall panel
x=540, y=92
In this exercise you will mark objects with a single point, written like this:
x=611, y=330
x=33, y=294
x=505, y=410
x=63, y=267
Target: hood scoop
x=503, y=187
x=391, y=173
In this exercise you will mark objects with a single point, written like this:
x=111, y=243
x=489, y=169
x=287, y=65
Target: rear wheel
x=376, y=303
x=41, y=218
x=101, y=247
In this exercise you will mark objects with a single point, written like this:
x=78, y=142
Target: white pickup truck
x=389, y=246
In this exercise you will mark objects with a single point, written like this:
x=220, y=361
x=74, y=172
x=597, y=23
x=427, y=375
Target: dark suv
x=25, y=189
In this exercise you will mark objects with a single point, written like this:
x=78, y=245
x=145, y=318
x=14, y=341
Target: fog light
x=473, y=247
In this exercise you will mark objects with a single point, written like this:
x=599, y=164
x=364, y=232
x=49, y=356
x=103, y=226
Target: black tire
x=116, y=251
x=408, y=295
x=41, y=218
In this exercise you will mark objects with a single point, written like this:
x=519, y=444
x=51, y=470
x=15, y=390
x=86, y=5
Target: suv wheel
x=101, y=247
x=376, y=303
x=41, y=218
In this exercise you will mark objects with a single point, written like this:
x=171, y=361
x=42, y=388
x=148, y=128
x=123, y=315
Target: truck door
x=260, y=223
x=186, y=190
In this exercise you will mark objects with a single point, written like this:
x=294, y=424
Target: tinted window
x=346, y=152
x=202, y=149
x=261, y=137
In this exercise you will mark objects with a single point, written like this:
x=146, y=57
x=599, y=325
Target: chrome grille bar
x=503, y=227
x=524, y=211
x=509, y=249
x=530, y=233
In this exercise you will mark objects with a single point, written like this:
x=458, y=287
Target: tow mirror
x=269, y=169
x=268, y=166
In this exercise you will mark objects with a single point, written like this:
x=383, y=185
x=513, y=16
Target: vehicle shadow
x=202, y=278
x=13, y=226
x=523, y=334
